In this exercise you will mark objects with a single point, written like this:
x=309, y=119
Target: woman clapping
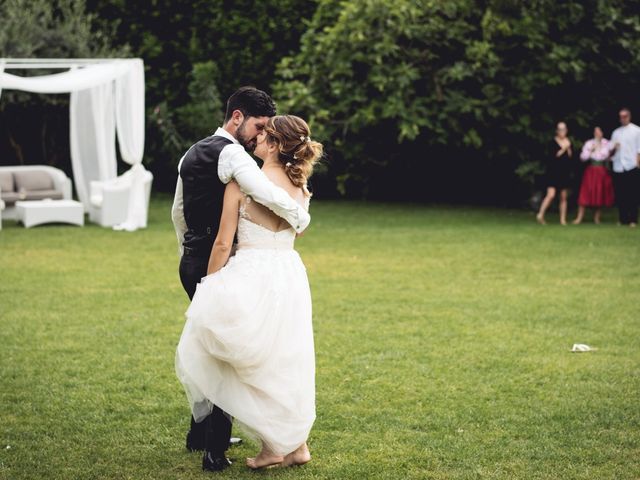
x=558, y=173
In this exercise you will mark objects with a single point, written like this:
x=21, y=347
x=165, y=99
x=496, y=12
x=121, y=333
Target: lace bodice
x=252, y=234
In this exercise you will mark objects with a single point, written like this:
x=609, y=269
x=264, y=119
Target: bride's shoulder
x=298, y=194
x=282, y=180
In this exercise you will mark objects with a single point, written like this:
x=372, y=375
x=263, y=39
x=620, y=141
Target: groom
x=203, y=172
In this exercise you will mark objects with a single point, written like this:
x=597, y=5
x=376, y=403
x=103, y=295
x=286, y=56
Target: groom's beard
x=248, y=144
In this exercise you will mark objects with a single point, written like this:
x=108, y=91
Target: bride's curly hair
x=297, y=152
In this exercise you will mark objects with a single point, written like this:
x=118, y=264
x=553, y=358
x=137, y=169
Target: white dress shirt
x=626, y=156
x=235, y=163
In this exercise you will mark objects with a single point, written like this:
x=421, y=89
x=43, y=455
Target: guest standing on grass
x=625, y=150
x=596, y=190
x=558, y=173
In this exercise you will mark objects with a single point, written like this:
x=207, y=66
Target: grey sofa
x=31, y=182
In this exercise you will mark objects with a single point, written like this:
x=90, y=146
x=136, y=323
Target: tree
x=195, y=117
x=401, y=87
x=224, y=44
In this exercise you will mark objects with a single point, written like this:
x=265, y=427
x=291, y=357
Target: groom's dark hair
x=251, y=102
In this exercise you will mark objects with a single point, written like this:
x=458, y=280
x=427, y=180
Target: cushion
x=6, y=182
x=96, y=200
x=42, y=194
x=33, y=180
x=10, y=197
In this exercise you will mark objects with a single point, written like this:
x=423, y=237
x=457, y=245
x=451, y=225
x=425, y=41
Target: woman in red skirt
x=596, y=190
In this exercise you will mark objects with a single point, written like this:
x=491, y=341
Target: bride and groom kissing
x=246, y=352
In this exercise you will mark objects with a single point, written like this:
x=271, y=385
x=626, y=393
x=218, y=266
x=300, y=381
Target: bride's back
x=261, y=215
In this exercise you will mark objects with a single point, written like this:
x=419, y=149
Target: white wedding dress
x=247, y=345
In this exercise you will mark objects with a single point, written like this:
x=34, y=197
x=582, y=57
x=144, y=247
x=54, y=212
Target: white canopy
x=106, y=96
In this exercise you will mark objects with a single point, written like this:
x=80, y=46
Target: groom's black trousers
x=215, y=430
x=627, y=189
x=192, y=270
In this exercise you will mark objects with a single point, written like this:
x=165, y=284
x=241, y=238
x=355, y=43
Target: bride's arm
x=235, y=163
x=228, y=225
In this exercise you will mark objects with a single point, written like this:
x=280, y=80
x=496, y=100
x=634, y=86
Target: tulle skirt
x=247, y=347
x=596, y=189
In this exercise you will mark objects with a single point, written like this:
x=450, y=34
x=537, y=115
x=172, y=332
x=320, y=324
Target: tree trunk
x=16, y=148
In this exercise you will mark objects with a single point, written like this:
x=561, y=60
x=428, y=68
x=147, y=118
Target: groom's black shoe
x=213, y=463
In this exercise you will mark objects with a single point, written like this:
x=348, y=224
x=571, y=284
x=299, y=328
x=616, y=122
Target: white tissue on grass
x=581, y=347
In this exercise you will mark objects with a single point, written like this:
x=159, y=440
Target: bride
x=247, y=345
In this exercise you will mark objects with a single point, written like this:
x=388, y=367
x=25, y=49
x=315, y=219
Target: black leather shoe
x=195, y=441
x=234, y=441
x=210, y=463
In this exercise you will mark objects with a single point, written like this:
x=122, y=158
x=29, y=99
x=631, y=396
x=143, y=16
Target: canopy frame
x=51, y=63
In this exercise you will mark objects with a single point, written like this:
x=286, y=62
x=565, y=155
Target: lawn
x=442, y=338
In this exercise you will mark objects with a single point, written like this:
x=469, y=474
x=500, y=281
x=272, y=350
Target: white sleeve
x=612, y=142
x=236, y=163
x=177, y=212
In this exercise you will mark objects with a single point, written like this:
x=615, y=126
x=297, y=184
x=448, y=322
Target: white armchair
x=109, y=199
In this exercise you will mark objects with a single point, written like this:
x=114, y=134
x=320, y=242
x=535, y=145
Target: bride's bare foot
x=264, y=459
x=540, y=219
x=300, y=456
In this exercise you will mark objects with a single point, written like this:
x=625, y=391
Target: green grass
x=442, y=339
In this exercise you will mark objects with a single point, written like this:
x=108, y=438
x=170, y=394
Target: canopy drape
x=70, y=81
x=105, y=98
x=130, y=126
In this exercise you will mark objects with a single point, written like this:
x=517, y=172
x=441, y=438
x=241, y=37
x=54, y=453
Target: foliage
x=386, y=80
x=245, y=39
x=193, y=118
x=441, y=335
x=414, y=99
x=240, y=42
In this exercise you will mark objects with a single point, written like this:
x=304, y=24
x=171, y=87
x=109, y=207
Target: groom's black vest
x=202, y=193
